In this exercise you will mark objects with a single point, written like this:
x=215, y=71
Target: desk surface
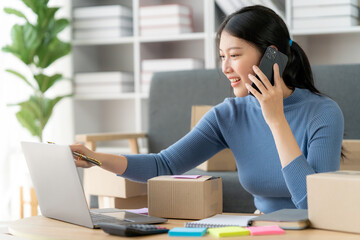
x=44, y=228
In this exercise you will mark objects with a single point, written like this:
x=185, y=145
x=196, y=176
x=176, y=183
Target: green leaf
x=60, y=24
x=21, y=77
x=35, y=5
x=25, y=42
x=46, y=19
x=15, y=12
x=28, y=121
x=49, y=54
x=45, y=82
x=49, y=105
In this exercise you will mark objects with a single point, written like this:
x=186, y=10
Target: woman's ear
x=273, y=46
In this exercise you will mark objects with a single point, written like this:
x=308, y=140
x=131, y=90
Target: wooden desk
x=44, y=228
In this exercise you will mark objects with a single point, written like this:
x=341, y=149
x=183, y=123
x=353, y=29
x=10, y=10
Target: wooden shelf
x=120, y=96
x=171, y=38
x=325, y=31
x=122, y=40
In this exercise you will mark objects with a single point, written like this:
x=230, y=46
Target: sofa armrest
x=90, y=140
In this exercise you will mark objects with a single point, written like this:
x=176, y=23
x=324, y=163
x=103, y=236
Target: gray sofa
x=173, y=93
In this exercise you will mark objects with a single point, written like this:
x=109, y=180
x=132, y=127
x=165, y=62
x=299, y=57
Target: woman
x=278, y=136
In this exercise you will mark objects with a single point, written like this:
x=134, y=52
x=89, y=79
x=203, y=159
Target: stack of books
x=150, y=66
x=165, y=19
x=103, y=83
x=110, y=21
x=309, y=14
x=230, y=6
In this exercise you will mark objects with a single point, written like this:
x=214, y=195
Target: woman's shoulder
x=322, y=101
x=322, y=105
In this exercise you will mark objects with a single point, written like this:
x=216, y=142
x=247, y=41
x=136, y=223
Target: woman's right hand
x=80, y=148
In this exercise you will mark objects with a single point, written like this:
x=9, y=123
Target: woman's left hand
x=270, y=98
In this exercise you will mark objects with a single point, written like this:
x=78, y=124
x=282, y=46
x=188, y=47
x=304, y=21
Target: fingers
x=276, y=75
x=257, y=82
x=252, y=90
x=265, y=81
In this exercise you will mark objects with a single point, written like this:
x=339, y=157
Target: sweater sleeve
x=323, y=153
x=197, y=146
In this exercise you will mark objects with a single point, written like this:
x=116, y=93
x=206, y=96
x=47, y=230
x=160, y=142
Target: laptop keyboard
x=96, y=218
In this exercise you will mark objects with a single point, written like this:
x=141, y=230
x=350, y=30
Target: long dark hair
x=262, y=27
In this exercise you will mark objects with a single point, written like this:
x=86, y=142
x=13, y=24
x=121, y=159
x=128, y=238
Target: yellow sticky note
x=228, y=231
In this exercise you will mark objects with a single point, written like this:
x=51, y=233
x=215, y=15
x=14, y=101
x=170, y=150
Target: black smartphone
x=271, y=56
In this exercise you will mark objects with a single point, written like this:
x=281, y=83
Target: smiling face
x=237, y=58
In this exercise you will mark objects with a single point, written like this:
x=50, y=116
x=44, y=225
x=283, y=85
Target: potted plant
x=37, y=45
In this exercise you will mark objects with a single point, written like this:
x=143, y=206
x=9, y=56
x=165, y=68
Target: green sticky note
x=228, y=231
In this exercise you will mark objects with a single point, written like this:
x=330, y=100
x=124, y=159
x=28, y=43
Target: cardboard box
x=352, y=155
x=123, y=203
x=223, y=160
x=171, y=197
x=333, y=200
x=98, y=181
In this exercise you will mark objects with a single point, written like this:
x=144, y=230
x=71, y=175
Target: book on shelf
x=102, y=33
x=109, y=22
x=165, y=9
x=171, y=64
x=284, y=218
x=102, y=11
x=95, y=77
x=165, y=30
x=230, y=6
x=299, y=3
x=326, y=11
x=103, y=82
x=221, y=220
x=325, y=22
x=185, y=20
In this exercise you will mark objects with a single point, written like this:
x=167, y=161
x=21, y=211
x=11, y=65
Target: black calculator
x=131, y=229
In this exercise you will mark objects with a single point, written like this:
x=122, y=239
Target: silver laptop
x=60, y=193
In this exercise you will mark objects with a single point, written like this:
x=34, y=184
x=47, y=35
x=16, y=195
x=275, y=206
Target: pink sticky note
x=266, y=230
x=186, y=176
x=144, y=211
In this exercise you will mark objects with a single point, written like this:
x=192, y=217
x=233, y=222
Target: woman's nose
x=226, y=66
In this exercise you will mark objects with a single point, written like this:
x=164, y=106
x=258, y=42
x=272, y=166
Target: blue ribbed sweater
x=316, y=122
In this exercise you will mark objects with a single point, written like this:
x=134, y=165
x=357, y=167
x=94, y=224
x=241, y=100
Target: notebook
x=59, y=190
x=284, y=218
x=221, y=220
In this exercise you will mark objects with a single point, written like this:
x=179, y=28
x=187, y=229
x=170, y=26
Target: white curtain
x=13, y=170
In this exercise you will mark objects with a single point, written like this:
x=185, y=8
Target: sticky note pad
x=265, y=230
x=187, y=232
x=228, y=231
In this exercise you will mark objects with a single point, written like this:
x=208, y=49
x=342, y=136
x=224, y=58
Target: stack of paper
x=150, y=66
x=325, y=13
x=103, y=83
x=110, y=21
x=165, y=19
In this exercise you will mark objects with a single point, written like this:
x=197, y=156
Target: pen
x=84, y=157
x=89, y=159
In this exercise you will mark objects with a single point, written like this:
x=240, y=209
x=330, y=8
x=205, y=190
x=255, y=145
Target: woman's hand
x=85, y=151
x=270, y=98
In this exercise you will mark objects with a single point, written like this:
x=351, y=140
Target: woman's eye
x=221, y=57
x=234, y=55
